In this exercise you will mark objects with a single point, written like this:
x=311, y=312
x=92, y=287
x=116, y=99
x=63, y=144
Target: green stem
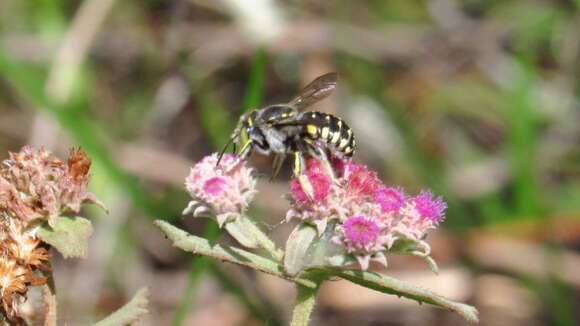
x=304, y=305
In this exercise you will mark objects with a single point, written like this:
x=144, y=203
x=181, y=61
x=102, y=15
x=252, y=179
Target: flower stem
x=304, y=305
x=49, y=294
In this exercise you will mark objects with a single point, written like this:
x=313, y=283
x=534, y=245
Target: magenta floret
x=214, y=185
x=429, y=207
x=359, y=181
x=359, y=230
x=390, y=199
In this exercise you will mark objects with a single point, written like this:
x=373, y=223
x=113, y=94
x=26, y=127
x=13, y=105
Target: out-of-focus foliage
x=477, y=100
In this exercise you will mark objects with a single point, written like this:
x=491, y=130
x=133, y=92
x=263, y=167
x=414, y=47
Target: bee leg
x=278, y=162
x=297, y=169
x=242, y=155
x=320, y=154
x=222, y=152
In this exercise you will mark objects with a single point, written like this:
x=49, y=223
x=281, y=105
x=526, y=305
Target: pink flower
x=370, y=218
x=366, y=237
x=224, y=191
x=420, y=214
x=359, y=182
x=319, y=182
x=360, y=231
x=430, y=208
x=331, y=199
x=390, y=199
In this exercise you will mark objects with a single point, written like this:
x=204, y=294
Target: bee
x=286, y=129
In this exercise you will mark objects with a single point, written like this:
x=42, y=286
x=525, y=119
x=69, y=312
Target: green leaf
x=386, y=284
x=297, y=247
x=69, y=235
x=130, y=312
x=201, y=246
x=249, y=235
x=419, y=249
x=236, y=229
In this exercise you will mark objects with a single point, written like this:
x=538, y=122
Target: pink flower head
x=360, y=231
x=314, y=165
x=429, y=207
x=365, y=236
x=224, y=191
x=420, y=213
x=359, y=182
x=331, y=199
x=370, y=218
x=390, y=199
x=319, y=182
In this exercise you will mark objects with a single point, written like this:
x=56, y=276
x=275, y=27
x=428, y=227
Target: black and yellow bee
x=285, y=129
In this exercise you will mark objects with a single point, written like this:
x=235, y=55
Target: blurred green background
x=478, y=100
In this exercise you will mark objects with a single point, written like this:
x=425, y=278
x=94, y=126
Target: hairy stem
x=49, y=298
x=304, y=305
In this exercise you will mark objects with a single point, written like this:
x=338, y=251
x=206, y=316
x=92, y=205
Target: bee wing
x=317, y=90
x=305, y=119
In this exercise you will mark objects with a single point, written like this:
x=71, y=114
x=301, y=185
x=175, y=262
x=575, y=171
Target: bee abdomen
x=330, y=130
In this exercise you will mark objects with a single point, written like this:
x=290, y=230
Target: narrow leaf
x=69, y=235
x=130, y=312
x=236, y=229
x=297, y=247
x=386, y=284
x=249, y=235
x=201, y=246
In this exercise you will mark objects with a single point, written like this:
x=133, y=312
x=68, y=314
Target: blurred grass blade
x=257, y=309
x=521, y=123
x=254, y=92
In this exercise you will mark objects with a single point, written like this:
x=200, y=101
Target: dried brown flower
x=36, y=186
x=13, y=284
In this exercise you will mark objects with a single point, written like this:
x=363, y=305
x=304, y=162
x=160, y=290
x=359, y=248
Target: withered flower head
x=22, y=245
x=20, y=255
x=13, y=284
x=36, y=186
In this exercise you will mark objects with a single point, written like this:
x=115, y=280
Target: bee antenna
x=222, y=152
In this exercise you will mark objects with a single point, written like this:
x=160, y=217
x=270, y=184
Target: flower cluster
x=35, y=187
x=364, y=217
x=369, y=217
x=223, y=191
